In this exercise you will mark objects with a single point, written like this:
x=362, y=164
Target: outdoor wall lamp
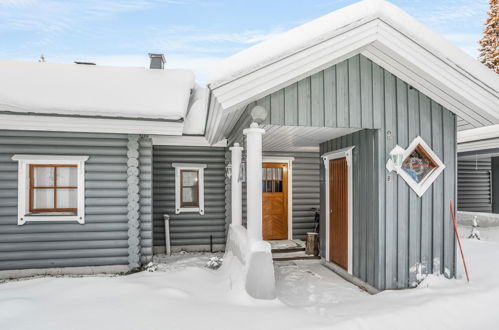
x=396, y=159
x=242, y=172
x=228, y=170
x=259, y=114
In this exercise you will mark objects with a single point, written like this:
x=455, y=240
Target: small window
x=420, y=166
x=272, y=180
x=189, y=187
x=51, y=188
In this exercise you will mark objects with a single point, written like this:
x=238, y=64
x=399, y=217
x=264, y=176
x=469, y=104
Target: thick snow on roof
x=92, y=90
x=330, y=25
x=195, y=120
x=477, y=134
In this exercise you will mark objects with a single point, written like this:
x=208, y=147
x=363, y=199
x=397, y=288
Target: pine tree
x=489, y=50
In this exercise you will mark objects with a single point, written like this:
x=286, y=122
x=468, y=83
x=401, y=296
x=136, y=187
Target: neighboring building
x=341, y=92
x=478, y=170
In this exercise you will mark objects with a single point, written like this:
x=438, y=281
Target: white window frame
x=23, y=187
x=187, y=166
x=421, y=187
x=336, y=154
x=289, y=162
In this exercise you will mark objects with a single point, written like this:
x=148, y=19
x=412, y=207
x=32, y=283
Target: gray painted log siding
x=102, y=240
x=474, y=185
x=146, y=212
x=189, y=229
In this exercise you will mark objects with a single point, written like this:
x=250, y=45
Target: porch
x=289, y=250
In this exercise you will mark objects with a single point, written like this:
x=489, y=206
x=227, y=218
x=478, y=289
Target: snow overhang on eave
x=386, y=35
x=37, y=122
x=478, y=139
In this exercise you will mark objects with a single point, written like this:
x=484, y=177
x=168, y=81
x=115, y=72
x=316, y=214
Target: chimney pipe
x=157, y=61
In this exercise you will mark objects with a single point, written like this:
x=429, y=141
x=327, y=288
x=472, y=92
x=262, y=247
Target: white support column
x=237, y=191
x=254, y=180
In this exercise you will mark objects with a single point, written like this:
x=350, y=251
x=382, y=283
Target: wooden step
x=298, y=255
x=286, y=250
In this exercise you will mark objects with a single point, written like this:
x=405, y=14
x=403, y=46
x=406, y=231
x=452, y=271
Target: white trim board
x=90, y=125
x=191, y=141
x=342, y=153
x=189, y=166
x=289, y=161
x=23, y=187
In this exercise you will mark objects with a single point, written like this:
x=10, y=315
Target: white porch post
x=254, y=180
x=237, y=191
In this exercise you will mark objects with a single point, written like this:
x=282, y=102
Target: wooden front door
x=275, y=201
x=338, y=212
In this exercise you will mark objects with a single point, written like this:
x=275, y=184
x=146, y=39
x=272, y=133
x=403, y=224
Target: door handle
x=330, y=211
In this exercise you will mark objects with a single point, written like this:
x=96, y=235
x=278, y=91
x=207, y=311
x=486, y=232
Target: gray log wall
x=189, y=230
x=412, y=233
x=103, y=239
x=474, y=185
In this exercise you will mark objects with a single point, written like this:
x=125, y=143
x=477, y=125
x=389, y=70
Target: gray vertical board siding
x=389, y=201
x=417, y=231
x=305, y=190
x=187, y=229
x=403, y=189
x=412, y=233
x=414, y=243
x=339, y=96
x=438, y=191
x=145, y=167
x=365, y=203
x=102, y=240
x=425, y=124
x=450, y=189
x=380, y=185
x=474, y=185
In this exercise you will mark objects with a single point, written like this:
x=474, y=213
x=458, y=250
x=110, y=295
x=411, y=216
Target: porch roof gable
x=376, y=29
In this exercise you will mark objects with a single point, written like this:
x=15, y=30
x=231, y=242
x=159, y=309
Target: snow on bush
x=475, y=233
x=151, y=267
x=214, y=262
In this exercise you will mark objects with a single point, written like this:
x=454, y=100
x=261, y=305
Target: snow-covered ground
x=183, y=294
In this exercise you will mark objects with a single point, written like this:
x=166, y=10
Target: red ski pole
x=459, y=240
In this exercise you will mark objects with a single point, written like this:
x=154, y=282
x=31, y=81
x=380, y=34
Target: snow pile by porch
x=183, y=294
x=93, y=90
x=249, y=264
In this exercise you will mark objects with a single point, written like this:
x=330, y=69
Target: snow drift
x=249, y=264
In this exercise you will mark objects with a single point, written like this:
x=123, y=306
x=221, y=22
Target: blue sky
x=194, y=34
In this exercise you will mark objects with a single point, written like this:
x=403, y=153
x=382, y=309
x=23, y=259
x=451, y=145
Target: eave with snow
x=101, y=99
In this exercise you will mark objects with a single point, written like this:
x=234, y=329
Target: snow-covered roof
x=195, y=120
x=93, y=90
x=325, y=27
x=376, y=29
